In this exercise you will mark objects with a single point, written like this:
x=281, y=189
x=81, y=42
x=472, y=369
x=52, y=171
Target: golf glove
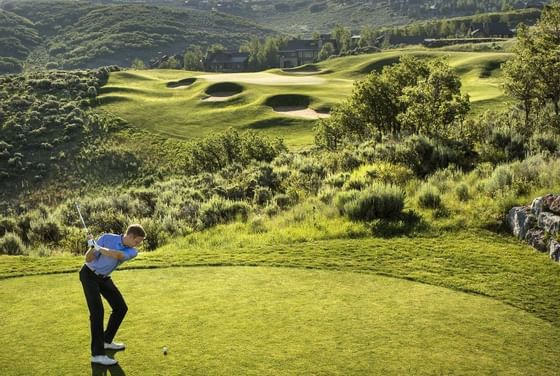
x=93, y=243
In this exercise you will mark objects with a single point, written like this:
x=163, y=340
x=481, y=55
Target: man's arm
x=96, y=249
x=111, y=253
x=91, y=254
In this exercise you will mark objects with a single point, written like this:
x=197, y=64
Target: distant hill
x=17, y=37
x=83, y=35
x=307, y=16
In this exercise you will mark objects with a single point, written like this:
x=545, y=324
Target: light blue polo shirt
x=102, y=264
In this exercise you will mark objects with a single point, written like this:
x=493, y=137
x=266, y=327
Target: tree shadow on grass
x=406, y=223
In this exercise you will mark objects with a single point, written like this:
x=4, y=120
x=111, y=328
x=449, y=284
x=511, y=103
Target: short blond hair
x=136, y=230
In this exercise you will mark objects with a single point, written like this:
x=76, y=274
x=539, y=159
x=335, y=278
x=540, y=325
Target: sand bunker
x=181, y=84
x=219, y=96
x=264, y=79
x=299, y=111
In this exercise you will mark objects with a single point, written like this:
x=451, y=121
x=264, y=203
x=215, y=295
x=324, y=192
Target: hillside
x=81, y=35
x=307, y=16
x=18, y=37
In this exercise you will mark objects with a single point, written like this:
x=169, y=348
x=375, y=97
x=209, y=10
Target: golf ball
x=164, y=350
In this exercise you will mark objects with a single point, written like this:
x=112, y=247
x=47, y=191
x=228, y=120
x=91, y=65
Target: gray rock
x=535, y=238
x=537, y=206
x=554, y=206
x=519, y=220
x=554, y=250
x=549, y=222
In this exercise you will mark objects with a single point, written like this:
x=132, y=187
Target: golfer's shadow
x=101, y=370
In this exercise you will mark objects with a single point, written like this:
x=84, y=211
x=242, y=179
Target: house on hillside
x=301, y=51
x=491, y=29
x=227, y=62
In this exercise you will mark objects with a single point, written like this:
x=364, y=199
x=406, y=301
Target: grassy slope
x=142, y=98
x=476, y=262
x=265, y=321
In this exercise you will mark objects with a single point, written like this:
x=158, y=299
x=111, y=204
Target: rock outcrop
x=538, y=224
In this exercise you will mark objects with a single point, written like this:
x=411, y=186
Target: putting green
x=273, y=321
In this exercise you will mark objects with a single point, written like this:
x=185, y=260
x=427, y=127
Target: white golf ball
x=164, y=350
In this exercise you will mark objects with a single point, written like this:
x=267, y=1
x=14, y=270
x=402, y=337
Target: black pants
x=94, y=287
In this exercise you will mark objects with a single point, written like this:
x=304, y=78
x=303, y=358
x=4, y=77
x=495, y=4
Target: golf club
x=91, y=245
x=82, y=218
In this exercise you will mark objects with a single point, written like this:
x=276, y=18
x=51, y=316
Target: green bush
x=462, y=192
x=429, y=197
x=11, y=244
x=45, y=230
x=219, y=210
x=7, y=224
x=382, y=201
x=282, y=200
x=155, y=234
x=501, y=179
x=341, y=198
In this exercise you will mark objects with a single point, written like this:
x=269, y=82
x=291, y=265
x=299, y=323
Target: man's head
x=134, y=235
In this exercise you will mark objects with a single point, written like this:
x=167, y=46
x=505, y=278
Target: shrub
x=257, y=225
x=379, y=201
x=7, y=224
x=341, y=198
x=11, y=244
x=429, y=197
x=219, y=210
x=500, y=179
x=262, y=195
x=45, y=230
x=74, y=241
x=337, y=180
x=355, y=183
x=282, y=200
x=155, y=235
x=462, y=192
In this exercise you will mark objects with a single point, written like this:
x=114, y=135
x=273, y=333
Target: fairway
x=156, y=101
x=273, y=321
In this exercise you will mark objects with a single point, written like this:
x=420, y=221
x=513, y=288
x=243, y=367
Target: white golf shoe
x=114, y=346
x=103, y=360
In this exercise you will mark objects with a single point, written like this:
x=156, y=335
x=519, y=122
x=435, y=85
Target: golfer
x=104, y=256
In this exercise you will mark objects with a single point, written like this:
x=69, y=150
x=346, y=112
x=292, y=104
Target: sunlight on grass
x=274, y=321
x=142, y=97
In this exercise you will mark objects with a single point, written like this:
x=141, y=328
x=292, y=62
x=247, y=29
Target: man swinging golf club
x=102, y=257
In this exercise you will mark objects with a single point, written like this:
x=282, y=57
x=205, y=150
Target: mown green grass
x=273, y=321
x=143, y=99
x=476, y=262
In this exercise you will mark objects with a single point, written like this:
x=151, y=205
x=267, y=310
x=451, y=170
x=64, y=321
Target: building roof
x=301, y=44
x=227, y=57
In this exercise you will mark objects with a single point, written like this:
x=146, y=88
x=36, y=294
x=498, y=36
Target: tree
x=532, y=76
x=521, y=76
x=194, y=59
x=326, y=51
x=342, y=37
x=215, y=48
x=435, y=106
x=411, y=97
x=138, y=64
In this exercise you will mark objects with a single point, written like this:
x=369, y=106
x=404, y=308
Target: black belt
x=104, y=276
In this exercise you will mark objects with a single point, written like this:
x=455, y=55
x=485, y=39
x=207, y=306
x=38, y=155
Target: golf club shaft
x=82, y=218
